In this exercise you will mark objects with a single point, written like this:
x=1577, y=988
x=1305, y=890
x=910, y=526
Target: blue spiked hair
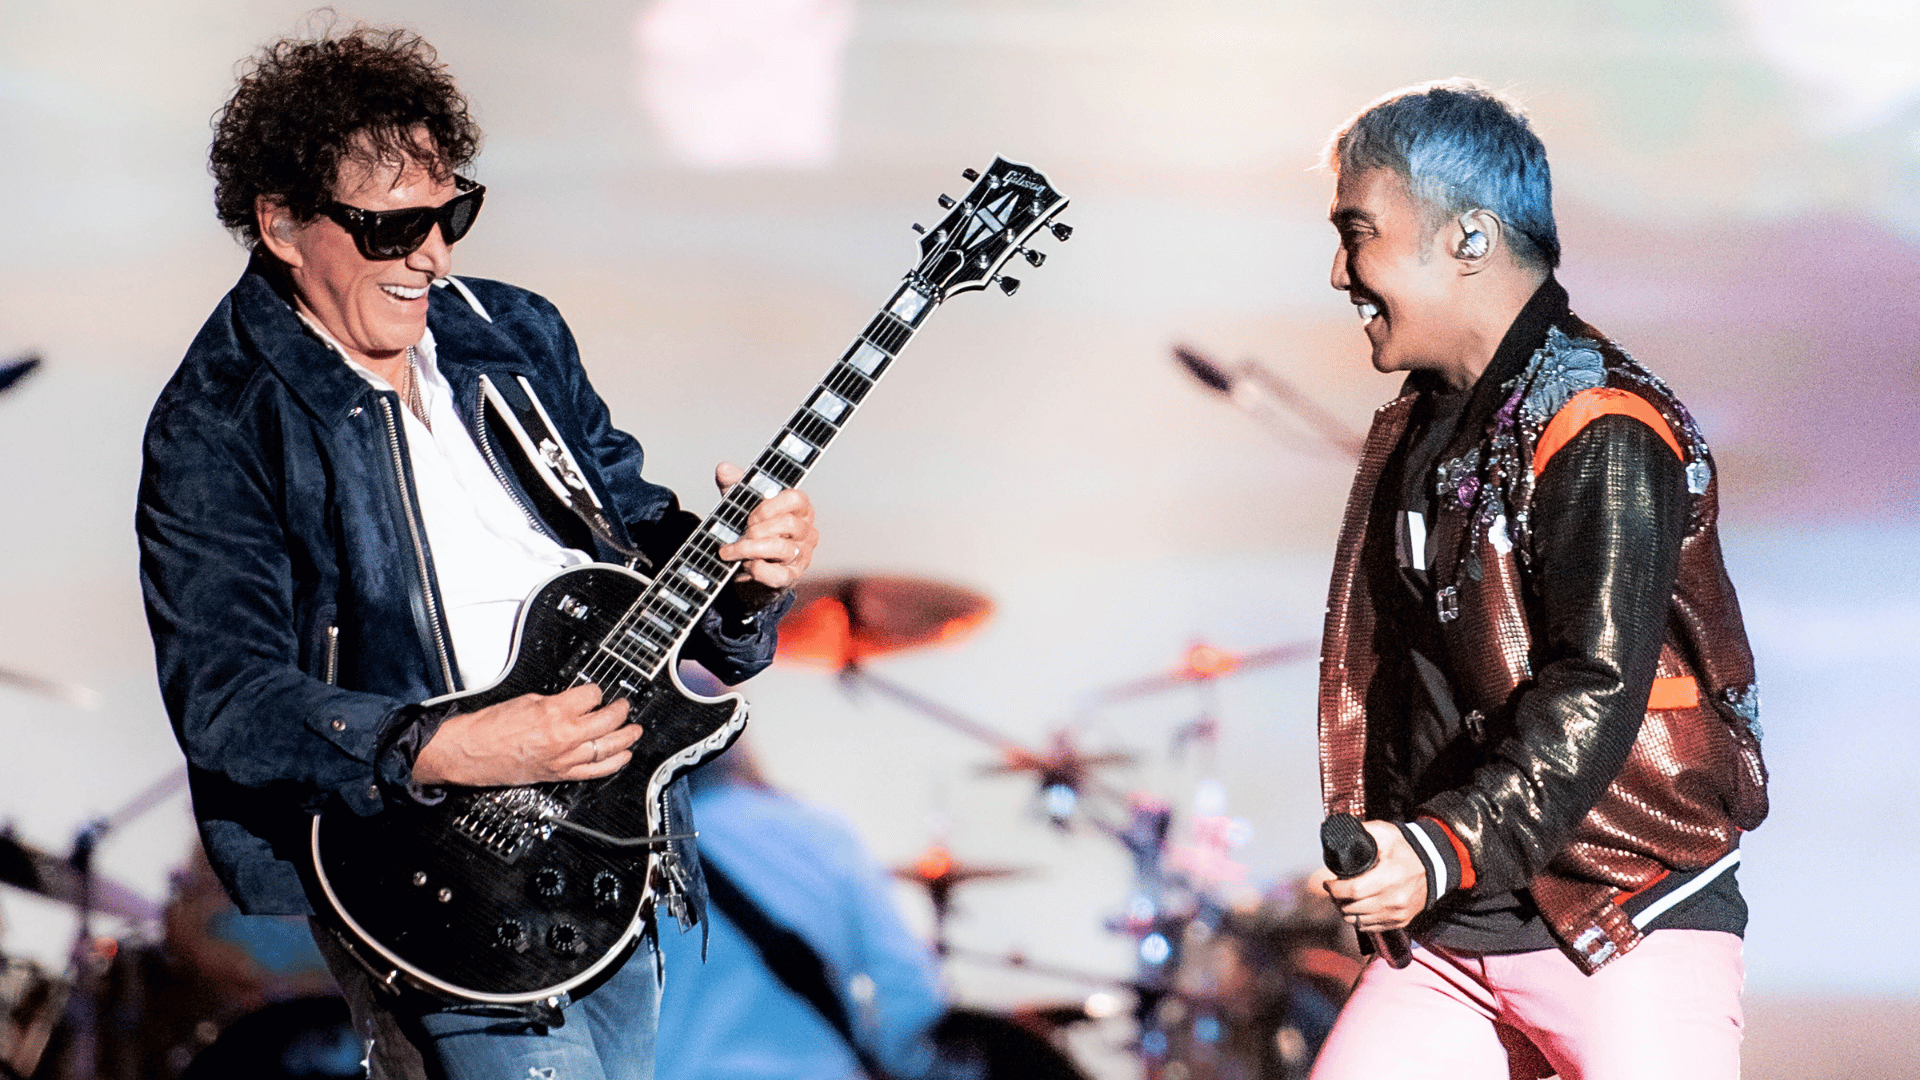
x=1460, y=146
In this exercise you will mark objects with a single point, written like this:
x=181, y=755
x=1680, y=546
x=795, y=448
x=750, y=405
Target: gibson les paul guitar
x=516, y=895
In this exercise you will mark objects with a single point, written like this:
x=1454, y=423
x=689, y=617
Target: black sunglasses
x=384, y=235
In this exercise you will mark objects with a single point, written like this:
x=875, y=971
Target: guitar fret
x=637, y=635
x=680, y=603
x=725, y=533
x=812, y=428
x=665, y=621
x=848, y=383
x=780, y=468
x=888, y=333
x=709, y=563
x=622, y=661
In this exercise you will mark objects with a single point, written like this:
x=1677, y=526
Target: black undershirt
x=1436, y=752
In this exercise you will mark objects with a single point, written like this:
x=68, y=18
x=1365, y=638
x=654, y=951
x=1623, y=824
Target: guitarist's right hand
x=530, y=739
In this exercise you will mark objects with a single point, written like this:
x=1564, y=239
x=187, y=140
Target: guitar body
x=479, y=897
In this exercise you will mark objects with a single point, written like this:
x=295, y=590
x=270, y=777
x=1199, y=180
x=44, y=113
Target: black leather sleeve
x=1608, y=516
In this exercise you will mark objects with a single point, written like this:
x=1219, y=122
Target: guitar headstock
x=988, y=226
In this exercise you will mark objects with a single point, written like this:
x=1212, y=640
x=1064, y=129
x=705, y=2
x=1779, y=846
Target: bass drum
x=994, y=1047
x=306, y=1038
x=32, y=1002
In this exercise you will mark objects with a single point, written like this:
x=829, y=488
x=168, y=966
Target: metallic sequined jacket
x=1609, y=748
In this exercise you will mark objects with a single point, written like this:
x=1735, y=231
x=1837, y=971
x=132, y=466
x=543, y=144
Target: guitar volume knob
x=549, y=882
x=511, y=934
x=565, y=938
x=606, y=888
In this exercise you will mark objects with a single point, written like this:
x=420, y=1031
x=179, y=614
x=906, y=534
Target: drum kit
x=186, y=982
x=1221, y=990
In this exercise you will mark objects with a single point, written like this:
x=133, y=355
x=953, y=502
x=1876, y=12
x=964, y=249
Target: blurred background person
x=810, y=973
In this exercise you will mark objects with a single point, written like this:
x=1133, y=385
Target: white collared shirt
x=487, y=554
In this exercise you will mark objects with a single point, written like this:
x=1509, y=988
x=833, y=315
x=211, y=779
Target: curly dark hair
x=305, y=106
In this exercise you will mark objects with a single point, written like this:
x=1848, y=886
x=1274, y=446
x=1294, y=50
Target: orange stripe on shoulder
x=1590, y=405
x=1679, y=692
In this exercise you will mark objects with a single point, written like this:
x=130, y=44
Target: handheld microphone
x=1349, y=851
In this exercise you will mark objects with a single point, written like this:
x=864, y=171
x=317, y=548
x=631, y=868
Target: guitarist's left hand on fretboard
x=777, y=546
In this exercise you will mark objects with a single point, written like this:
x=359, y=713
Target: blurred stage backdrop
x=717, y=193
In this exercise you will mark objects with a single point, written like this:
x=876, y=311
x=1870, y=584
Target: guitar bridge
x=507, y=822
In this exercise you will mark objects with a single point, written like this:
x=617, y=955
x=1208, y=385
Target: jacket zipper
x=419, y=549
x=331, y=672
x=486, y=451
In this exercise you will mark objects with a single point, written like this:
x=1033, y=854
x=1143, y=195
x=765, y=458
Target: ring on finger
x=595, y=745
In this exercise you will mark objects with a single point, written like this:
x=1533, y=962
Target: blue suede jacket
x=288, y=580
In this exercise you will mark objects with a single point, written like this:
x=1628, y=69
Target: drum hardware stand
x=83, y=1003
x=1064, y=773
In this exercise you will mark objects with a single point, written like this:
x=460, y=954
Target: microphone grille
x=1347, y=847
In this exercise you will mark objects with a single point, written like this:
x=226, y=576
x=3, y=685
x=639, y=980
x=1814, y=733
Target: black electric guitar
x=516, y=895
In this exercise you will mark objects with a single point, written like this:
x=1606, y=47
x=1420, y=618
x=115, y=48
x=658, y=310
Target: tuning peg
x=946, y=202
x=969, y=174
x=1034, y=258
x=919, y=228
x=1061, y=231
x=1008, y=285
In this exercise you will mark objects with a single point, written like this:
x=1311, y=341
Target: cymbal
x=12, y=371
x=1204, y=663
x=68, y=693
x=840, y=621
x=936, y=868
x=1061, y=762
x=51, y=876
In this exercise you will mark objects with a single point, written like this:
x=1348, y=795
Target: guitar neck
x=688, y=584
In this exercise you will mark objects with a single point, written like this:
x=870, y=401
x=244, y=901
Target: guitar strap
x=793, y=961
x=555, y=474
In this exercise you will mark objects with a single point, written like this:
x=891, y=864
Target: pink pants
x=1668, y=1009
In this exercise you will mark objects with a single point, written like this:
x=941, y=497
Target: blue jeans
x=608, y=1035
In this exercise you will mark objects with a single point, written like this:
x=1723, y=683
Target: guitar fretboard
x=687, y=585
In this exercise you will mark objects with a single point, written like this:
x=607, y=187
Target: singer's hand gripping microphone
x=1350, y=851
